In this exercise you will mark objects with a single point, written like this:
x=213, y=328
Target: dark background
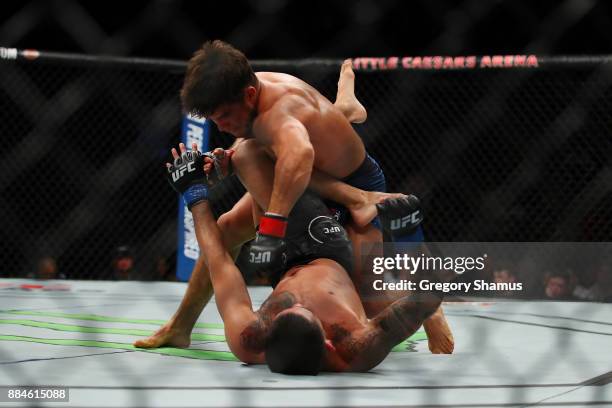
x=301, y=29
x=495, y=155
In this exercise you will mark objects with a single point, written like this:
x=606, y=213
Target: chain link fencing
x=495, y=154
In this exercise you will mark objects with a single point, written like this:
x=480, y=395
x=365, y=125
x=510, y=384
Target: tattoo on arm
x=365, y=349
x=253, y=337
x=404, y=316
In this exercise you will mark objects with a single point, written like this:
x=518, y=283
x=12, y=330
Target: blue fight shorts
x=369, y=177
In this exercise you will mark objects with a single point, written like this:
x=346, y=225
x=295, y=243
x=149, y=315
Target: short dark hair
x=295, y=345
x=216, y=74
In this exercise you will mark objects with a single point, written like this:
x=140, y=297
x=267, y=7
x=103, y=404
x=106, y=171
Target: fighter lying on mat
x=314, y=319
x=237, y=227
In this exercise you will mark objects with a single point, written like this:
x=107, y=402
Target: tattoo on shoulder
x=253, y=337
x=277, y=303
x=338, y=333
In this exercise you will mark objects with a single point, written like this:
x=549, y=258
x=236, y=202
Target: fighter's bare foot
x=166, y=336
x=439, y=335
x=365, y=211
x=346, y=100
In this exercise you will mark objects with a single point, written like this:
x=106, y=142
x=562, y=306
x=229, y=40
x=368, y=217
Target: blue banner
x=194, y=130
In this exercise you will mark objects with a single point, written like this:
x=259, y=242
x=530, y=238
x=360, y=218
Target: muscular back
x=338, y=148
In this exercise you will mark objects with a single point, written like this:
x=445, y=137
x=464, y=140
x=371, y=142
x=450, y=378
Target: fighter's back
x=338, y=148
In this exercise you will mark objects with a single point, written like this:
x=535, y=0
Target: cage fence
x=515, y=154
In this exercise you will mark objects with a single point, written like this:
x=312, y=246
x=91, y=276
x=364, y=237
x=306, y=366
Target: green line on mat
x=105, y=330
x=418, y=336
x=169, y=351
x=99, y=318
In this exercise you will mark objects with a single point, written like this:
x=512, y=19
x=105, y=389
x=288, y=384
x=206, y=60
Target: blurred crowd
x=122, y=266
x=592, y=282
x=562, y=281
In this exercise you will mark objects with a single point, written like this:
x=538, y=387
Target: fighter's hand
x=400, y=216
x=186, y=175
x=364, y=211
x=218, y=165
x=268, y=252
x=167, y=335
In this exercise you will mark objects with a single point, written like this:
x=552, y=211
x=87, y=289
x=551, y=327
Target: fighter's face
x=236, y=118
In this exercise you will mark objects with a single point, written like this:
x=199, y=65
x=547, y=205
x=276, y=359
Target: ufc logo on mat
x=262, y=257
x=181, y=171
x=402, y=222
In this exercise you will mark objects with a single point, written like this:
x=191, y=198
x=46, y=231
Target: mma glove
x=400, y=217
x=220, y=161
x=187, y=177
x=268, y=252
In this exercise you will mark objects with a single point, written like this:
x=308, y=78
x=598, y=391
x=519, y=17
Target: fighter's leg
x=365, y=247
x=346, y=100
x=255, y=170
x=236, y=228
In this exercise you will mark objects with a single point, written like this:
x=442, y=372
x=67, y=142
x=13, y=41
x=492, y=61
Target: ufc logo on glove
x=404, y=221
x=259, y=258
x=189, y=167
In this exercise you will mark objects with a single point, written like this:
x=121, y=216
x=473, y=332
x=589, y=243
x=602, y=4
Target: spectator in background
x=503, y=274
x=122, y=264
x=46, y=268
x=586, y=283
x=559, y=285
x=163, y=271
x=601, y=290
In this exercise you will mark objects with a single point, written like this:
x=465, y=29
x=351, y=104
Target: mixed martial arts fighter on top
x=298, y=128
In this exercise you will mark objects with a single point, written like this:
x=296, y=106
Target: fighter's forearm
x=291, y=177
x=226, y=279
x=199, y=289
x=404, y=316
x=209, y=236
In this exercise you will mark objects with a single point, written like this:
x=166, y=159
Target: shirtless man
x=237, y=229
x=313, y=320
x=309, y=139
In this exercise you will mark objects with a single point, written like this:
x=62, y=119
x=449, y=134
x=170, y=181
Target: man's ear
x=250, y=93
x=329, y=346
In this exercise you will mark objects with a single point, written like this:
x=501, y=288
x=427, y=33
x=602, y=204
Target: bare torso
x=338, y=148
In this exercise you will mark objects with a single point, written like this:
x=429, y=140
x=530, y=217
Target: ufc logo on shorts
x=402, y=222
x=262, y=257
x=181, y=171
x=331, y=230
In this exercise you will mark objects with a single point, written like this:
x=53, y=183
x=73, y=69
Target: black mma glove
x=187, y=177
x=268, y=252
x=400, y=217
x=218, y=165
